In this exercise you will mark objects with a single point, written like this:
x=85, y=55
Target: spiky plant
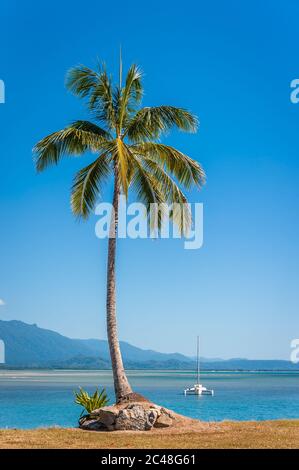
x=91, y=402
x=125, y=138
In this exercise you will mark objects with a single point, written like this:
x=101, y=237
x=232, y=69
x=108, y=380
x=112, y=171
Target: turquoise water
x=30, y=399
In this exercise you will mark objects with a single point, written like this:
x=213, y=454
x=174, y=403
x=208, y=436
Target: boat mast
x=198, y=364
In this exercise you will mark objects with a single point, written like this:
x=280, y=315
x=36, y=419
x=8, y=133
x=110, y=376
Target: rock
x=167, y=412
x=152, y=417
x=165, y=419
x=136, y=417
x=106, y=415
x=92, y=425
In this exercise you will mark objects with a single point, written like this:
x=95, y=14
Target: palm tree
x=123, y=135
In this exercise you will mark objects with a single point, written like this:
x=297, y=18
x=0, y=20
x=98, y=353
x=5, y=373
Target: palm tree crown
x=124, y=137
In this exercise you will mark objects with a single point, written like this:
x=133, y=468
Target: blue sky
x=231, y=63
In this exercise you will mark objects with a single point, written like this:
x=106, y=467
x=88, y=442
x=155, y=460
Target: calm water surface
x=30, y=399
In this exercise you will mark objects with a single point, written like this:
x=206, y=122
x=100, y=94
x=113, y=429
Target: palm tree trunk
x=121, y=384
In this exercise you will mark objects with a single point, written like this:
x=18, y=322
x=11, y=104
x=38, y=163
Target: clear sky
x=231, y=63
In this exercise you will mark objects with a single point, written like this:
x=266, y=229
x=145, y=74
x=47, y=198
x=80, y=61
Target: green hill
x=28, y=346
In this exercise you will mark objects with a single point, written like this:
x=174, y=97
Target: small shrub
x=91, y=402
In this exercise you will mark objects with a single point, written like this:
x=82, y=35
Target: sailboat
x=198, y=388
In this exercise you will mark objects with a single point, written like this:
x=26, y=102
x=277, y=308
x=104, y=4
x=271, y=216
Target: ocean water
x=30, y=399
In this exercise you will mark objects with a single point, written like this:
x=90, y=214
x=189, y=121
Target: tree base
x=134, y=415
x=132, y=397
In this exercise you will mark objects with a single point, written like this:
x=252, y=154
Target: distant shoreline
x=30, y=347
x=57, y=369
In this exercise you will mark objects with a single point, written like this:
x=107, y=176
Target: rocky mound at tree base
x=140, y=415
x=132, y=397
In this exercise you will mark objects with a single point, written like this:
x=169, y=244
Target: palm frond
x=97, y=87
x=147, y=189
x=133, y=86
x=82, y=80
x=101, y=100
x=130, y=95
x=92, y=128
x=187, y=171
x=172, y=194
x=87, y=185
x=151, y=122
x=75, y=139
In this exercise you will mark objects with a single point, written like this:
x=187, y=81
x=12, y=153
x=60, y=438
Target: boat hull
x=198, y=390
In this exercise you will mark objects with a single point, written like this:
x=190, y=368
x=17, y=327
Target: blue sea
x=30, y=399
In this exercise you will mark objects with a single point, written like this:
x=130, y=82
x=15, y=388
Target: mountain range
x=28, y=346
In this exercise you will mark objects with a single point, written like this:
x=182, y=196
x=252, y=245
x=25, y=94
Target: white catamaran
x=198, y=388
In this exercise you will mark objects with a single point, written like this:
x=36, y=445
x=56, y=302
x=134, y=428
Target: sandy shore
x=188, y=434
